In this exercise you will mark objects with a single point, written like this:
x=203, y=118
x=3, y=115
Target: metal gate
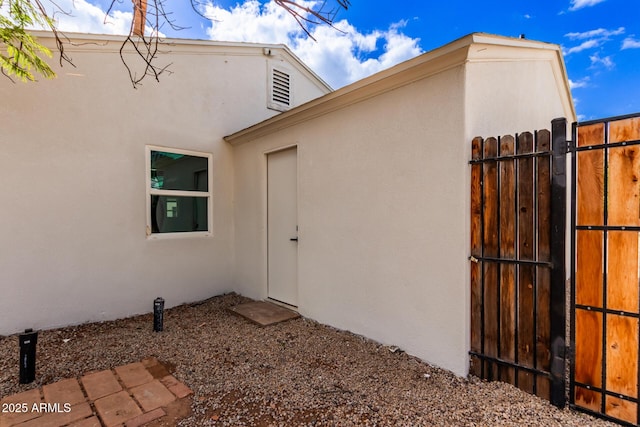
x=518, y=216
x=605, y=304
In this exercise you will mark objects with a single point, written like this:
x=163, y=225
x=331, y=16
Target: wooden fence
x=517, y=260
x=605, y=283
x=518, y=294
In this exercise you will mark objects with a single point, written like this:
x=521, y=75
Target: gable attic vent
x=280, y=90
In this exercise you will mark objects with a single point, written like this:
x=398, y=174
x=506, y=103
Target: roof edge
x=450, y=55
x=437, y=60
x=92, y=42
x=76, y=37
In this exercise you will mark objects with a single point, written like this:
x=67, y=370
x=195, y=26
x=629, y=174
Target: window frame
x=149, y=192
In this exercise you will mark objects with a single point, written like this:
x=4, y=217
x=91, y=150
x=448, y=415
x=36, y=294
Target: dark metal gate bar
x=605, y=306
x=518, y=207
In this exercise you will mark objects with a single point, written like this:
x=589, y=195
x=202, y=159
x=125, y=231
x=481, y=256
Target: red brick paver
x=57, y=416
x=100, y=384
x=176, y=387
x=141, y=420
x=152, y=395
x=133, y=374
x=116, y=409
x=98, y=399
x=19, y=408
x=65, y=391
x=87, y=422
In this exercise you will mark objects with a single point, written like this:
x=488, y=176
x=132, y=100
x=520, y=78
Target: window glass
x=178, y=214
x=172, y=171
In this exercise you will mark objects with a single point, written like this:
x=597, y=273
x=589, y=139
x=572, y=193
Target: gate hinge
x=570, y=145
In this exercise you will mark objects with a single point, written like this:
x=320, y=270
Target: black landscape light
x=158, y=308
x=28, y=341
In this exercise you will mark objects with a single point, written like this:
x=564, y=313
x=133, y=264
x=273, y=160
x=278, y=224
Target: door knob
x=294, y=239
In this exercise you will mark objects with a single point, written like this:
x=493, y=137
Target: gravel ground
x=294, y=373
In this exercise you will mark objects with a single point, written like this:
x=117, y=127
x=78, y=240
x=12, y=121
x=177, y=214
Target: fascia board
x=560, y=72
x=86, y=41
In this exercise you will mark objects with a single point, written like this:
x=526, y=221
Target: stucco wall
x=383, y=189
x=520, y=92
x=383, y=186
x=72, y=177
x=382, y=249
x=512, y=96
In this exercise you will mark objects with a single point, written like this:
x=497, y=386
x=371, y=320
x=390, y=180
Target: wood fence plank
x=526, y=251
x=591, y=135
x=507, y=250
x=621, y=409
x=543, y=274
x=589, y=270
x=490, y=245
x=622, y=355
x=511, y=220
x=590, y=187
x=476, y=251
x=622, y=271
x=624, y=130
x=543, y=387
x=588, y=399
x=588, y=339
x=620, y=340
x=623, y=186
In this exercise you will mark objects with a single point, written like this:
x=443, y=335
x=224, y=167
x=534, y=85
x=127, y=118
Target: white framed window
x=179, y=193
x=280, y=84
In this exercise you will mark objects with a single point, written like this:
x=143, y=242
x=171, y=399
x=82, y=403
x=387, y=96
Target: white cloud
x=247, y=22
x=83, y=17
x=592, y=39
x=589, y=44
x=600, y=32
x=583, y=82
x=630, y=43
x=579, y=4
x=339, y=55
x=606, y=61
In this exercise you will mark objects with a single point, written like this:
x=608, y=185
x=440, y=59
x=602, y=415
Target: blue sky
x=600, y=38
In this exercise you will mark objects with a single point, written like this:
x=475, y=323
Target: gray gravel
x=294, y=373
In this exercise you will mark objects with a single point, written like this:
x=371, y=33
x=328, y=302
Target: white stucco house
x=242, y=171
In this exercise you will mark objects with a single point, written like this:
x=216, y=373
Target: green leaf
x=23, y=57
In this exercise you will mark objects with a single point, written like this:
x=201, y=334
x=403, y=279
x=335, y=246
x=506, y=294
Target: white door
x=282, y=225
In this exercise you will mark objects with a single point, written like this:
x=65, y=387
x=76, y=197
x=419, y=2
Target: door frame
x=265, y=204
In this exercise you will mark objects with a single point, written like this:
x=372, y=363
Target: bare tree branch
x=305, y=15
x=56, y=34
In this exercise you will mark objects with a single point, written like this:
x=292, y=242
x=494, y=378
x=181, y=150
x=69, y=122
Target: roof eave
x=113, y=42
x=430, y=63
x=448, y=56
